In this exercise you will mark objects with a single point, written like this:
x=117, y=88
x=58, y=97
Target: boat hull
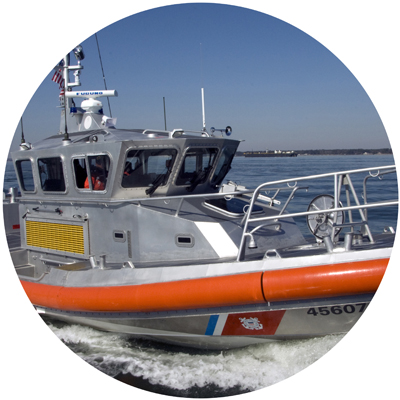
x=227, y=328
x=221, y=312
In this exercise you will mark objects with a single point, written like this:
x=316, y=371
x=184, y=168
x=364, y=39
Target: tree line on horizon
x=332, y=152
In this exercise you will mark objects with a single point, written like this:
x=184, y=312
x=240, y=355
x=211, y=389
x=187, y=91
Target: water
x=180, y=372
x=191, y=373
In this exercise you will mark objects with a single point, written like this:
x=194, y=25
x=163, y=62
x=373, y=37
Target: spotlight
x=78, y=51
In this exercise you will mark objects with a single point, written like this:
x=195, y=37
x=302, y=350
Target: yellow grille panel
x=54, y=236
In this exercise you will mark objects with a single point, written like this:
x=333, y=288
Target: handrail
x=174, y=134
x=365, y=183
x=338, y=178
x=140, y=199
x=331, y=210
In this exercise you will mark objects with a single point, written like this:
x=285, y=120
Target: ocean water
x=180, y=372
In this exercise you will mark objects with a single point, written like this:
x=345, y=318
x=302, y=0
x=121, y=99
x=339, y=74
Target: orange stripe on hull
x=252, y=288
x=188, y=294
x=324, y=281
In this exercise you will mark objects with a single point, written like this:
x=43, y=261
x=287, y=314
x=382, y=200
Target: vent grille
x=55, y=236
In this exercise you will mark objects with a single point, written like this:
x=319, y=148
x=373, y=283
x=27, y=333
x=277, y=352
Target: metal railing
x=340, y=179
x=175, y=133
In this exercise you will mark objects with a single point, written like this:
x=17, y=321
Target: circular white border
x=362, y=34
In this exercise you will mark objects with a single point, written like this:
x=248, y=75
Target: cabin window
x=80, y=171
x=223, y=165
x=196, y=166
x=91, y=172
x=25, y=174
x=148, y=168
x=51, y=174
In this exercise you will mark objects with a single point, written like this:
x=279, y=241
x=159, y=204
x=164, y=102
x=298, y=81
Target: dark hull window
x=148, y=168
x=25, y=174
x=51, y=174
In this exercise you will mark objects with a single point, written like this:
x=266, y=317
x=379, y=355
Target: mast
x=68, y=102
x=203, y=109
x=90, y=114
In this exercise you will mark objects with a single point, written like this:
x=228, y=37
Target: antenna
x=22, y=133
x=165, y=115
x=102, y=70
x=202, y=90
x=66, y=139
x=203, y=109
x=24, y=145
x=89, y=115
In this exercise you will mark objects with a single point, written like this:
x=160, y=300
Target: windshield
x=224, y=165
x=147, y=168
x=196, y=166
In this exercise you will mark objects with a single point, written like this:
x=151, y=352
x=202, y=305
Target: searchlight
x=227, y=130
x=78, y=52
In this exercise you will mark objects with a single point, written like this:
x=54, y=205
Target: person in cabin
x=128, y=169
x=97, y=175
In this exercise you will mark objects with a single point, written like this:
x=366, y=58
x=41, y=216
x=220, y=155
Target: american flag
x=58, y=78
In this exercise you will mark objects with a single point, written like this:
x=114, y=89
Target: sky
x=276, y=86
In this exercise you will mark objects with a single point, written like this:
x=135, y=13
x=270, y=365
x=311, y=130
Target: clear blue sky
x=276, y=86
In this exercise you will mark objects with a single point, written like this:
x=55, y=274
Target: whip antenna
x=102, y=71
x=165, y=115
x=24, y=145
x=22, y=133
x=202, y=91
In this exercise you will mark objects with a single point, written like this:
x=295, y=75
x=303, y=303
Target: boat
x=135, y=231
x=270, y=153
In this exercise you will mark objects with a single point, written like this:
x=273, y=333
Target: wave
x=187, y=372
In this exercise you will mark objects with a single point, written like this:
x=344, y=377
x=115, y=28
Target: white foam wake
x=250, y=368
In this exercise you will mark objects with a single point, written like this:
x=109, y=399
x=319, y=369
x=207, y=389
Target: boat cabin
x=101, y=193
x=124, y=164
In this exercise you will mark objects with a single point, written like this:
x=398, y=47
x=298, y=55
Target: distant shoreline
x=334, y=152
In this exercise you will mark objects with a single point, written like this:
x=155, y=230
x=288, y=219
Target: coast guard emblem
x=251, y=323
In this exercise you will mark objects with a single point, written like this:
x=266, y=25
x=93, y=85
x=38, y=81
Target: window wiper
x=160, y=180
x=198, y=178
